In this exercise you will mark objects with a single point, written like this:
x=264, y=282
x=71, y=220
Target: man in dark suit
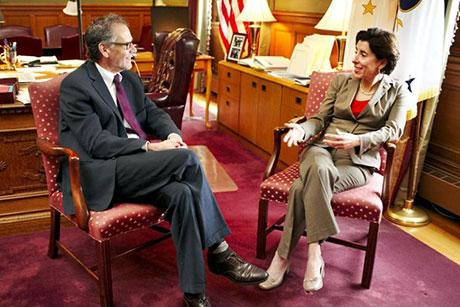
x=105, y=117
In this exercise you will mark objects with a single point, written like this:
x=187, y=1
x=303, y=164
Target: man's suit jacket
x=382, y=120
x=91, y=124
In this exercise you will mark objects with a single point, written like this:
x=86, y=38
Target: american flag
x=228, y=11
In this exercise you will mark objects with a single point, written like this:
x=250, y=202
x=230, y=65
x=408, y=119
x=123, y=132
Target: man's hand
x=177, y=139
x=173, y=141
x=341, y=140
x=295, y=134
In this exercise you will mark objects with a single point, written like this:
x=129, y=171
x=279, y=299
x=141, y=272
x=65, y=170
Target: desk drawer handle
x=229, y=74
x=227, y=88
x=227, y=103
x=298, y=100
x=254, y=84
x=264, y=87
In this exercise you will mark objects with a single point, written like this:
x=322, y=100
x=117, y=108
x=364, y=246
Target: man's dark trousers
x=174, y=179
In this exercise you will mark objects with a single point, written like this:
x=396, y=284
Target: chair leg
x=370, y=255
x=262, y=229
x=55, y=232
x=104, y=272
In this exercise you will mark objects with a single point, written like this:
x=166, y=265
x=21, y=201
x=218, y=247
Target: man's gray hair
x=100, y=30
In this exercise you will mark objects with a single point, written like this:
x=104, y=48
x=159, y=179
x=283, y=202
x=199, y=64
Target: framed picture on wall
x=236, y=47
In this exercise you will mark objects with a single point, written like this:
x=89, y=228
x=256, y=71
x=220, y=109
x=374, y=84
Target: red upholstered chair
x=12, y=30
x=28, y=45
x=101, y=227
x=54, y=33
x=366, y=203
x=175, y=55
x=70, y=48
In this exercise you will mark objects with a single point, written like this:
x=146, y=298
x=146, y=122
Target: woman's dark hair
x=383, y=44
x=99, y=31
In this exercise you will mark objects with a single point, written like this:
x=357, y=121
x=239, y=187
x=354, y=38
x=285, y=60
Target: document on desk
x=23, y=96
x=266, y=62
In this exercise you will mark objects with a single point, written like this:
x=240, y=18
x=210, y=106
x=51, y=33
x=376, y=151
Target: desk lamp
x=255, y=12
x=73, y=8
x=337, y=18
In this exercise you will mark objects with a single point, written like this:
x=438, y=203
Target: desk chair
x=366, y=203
x=28, y=45
x=100, y=227
x=175, y=55
x=70, y=47
x=13, y=30
x=53, y=34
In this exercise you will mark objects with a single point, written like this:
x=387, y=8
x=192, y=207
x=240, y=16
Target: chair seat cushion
x=363, y=202
x=120, y=218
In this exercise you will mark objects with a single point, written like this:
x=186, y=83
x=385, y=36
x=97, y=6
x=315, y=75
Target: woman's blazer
x=383, y=119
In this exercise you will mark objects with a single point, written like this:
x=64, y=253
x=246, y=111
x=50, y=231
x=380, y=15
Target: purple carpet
x=407, y=273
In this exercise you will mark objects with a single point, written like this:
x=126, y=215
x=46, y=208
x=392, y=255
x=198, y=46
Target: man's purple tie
x=125, y=107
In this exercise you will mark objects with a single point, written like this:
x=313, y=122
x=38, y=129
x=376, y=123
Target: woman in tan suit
x=361, y=110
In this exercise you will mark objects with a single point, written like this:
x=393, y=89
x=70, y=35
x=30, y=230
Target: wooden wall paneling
x=291, y=28
x=38, y=16
x=43, y=20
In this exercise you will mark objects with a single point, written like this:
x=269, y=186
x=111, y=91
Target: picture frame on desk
x=236, y=48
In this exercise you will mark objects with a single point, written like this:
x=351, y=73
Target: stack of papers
x=304, y=81
x=70, y=63
x=266, y=62
x=27, y=59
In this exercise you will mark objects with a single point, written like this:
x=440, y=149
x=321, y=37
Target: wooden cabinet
x=22, y=179
x=229, y=93
x=259, y=102
x=268, y=113
x=292, y=106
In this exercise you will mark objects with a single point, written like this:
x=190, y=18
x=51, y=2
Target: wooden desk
x=23, y=192
x=144, y=62
x=22, y=180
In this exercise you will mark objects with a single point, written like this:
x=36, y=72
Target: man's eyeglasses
x=126, y=46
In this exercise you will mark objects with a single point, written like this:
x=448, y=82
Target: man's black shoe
x=232, y=266
x=196, y=300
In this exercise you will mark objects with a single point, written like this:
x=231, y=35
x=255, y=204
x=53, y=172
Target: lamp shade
x=337, y=16
x=256, y=11
x=71, y=8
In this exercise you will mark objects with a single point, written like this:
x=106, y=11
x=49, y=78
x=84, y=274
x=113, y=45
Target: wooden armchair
x=366, y=203
x=175, y=54
x=102, y=226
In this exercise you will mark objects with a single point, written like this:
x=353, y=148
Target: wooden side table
x=203, y=63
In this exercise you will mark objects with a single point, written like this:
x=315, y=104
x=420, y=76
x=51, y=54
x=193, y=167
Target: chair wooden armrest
x=298, y=120
x=390, y=148
x=81, y=209
x=278, y=132
x=159, y=99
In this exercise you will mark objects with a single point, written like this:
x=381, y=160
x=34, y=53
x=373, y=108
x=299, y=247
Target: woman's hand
x=295, y=134
x=341, y=140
